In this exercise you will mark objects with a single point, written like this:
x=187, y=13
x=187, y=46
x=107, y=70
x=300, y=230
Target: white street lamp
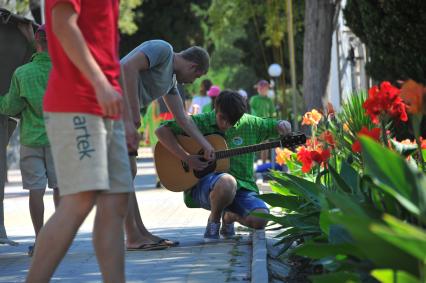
x=274, y=70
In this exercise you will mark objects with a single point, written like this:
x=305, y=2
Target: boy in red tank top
x=84, y=112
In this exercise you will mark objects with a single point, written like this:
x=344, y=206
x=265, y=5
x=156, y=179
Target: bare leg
x=36, y=205
x=55, y=238
x=139, y=222
x=221, y=196
x=136, y=232
x=248, y=221
x=108, y=237
x=264, y=155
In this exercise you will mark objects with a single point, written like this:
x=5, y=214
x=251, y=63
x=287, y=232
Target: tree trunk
x=317, y=51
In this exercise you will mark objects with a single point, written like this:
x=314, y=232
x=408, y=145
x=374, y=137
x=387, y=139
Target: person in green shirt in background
x=25, y=98
x=262, y=106
x=229, y=196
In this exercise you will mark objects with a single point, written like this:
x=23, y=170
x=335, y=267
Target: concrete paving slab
x=163, y=213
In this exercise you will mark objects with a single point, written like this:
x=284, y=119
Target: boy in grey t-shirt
x=160, y=78
x=151, y=71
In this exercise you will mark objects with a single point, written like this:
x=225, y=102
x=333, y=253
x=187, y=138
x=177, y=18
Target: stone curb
x=259, y=263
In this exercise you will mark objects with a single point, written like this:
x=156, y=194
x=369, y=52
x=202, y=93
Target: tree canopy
x=248, y=36
x=395, y=35
x=170, y=20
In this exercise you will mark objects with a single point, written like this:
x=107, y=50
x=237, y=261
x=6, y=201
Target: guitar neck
x=246, y=149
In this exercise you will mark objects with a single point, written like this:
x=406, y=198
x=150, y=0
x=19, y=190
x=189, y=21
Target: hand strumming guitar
x=196, y=162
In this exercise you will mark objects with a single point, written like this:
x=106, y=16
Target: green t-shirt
x=207, y=108
x=25, y=97
x=248, y=130
x=262, y=106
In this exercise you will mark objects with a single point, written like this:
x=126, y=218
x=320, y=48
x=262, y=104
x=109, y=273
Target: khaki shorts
x=89, y=153
x=37, y=168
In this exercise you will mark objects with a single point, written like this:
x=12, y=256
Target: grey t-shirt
x=159, y=79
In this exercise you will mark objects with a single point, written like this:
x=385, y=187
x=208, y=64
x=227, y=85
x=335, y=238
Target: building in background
x=347, y=68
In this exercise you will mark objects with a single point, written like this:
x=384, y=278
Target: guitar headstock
x=293, y=139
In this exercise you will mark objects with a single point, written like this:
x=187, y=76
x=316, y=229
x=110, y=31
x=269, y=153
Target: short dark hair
x=197, y=55
x=207, y=84
x=41, y=38
x=232, y=105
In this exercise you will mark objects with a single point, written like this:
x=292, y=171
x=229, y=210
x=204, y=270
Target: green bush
x=394, y=32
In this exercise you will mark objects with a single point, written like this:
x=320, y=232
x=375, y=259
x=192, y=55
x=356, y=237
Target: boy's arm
x=65, y=28
x=269, y=128
x=132, y=135
x=12, y=104
x=131, y=68
x=175, y=105
x=168, y=139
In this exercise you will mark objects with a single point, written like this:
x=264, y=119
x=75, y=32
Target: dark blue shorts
x=244, y=203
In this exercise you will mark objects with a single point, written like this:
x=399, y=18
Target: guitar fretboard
x=246, y=149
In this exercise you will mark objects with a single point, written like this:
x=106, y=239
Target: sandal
x=150, y=247
x=169, y=243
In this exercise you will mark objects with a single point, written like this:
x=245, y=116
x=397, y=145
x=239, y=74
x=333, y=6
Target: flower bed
x=354, y=199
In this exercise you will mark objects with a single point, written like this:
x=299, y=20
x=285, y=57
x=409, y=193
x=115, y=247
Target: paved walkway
x=163, y=213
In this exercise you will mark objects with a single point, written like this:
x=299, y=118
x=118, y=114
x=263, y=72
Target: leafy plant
x=362, y=214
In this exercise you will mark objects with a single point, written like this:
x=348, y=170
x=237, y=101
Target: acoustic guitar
x=175, y=175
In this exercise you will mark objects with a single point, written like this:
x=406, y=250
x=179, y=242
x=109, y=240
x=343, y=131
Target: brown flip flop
x=169, y=243
x=149, y=247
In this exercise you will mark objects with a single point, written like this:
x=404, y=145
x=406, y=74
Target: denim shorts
x=244, y=202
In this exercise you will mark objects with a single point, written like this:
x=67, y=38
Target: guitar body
x=174, y=174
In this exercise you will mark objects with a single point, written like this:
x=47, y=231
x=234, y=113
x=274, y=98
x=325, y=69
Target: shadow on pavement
x=191, y=258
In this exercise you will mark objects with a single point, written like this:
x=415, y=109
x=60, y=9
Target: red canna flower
x=356, y=146
x=312, y=157
x=423, y=143
x=373, y=133
x=325, y=155
x=385, y=100
x=327, y=138
x=304, y=156
x=330, y=111
x=397, y=109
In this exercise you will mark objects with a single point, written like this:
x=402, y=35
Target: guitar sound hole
x=209, y=169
